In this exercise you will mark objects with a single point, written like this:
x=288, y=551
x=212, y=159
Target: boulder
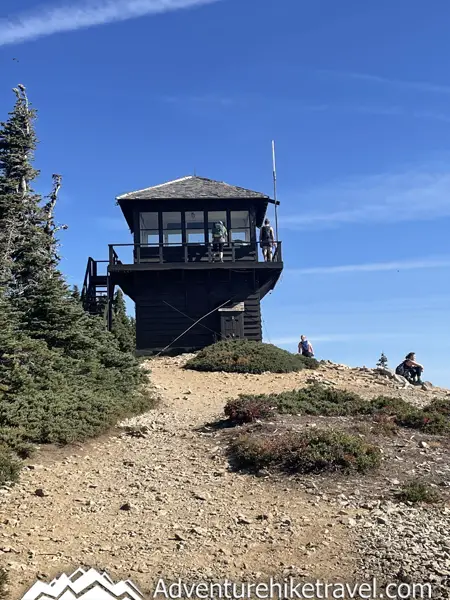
x=385, y=372
x=401, y=379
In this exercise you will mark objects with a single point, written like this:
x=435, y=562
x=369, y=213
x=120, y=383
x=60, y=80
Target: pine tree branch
x=49, y=208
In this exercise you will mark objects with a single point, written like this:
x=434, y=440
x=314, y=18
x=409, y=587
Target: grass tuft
x=418, y=492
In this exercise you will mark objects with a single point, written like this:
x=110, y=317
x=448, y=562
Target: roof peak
x=159, y=185
x=191, y=186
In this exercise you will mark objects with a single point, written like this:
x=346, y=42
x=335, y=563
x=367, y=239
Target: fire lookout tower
x=183, y=299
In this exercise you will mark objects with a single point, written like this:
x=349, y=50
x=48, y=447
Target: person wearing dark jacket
x=267, y=240
x=410, y=369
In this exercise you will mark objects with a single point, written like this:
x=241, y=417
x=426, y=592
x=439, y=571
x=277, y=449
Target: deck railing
x=233, y=252
x=88, y=292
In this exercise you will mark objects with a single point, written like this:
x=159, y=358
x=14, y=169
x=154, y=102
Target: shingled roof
x=192, y=187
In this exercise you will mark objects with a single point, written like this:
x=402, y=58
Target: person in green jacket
x=219, y=237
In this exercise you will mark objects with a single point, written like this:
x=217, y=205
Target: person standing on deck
x=219, y=237
x=267, y=240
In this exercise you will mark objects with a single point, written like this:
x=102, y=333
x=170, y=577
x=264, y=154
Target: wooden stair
x=94, y=295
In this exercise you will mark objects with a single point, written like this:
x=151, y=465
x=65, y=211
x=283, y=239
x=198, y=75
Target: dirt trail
x=189, y=515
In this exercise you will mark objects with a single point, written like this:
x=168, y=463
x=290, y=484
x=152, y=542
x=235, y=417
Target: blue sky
x=132, y=93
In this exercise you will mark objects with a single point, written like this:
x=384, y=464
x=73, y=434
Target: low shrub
x=245, y=356
x=439, y=405
x=390, y=406
x=248, y=409
x=320, y=400
x=3, y=584
x=430, y=419
x=311, y=400
x=308, y=362
x=9, y=465
x=16, y=439
x=75, y=414
x=304, y=452
x=417, y=491
x=385, y=425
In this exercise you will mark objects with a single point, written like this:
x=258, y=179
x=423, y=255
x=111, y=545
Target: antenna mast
x=275, y=188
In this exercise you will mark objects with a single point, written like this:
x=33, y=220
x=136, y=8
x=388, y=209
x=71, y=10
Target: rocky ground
x=157, y=498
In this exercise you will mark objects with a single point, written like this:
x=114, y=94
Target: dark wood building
x=184, y=300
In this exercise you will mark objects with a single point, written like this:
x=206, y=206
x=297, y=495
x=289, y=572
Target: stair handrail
x=87, y=278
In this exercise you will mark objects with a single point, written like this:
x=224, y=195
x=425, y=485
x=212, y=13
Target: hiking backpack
x=219, y=230
x=265, y=233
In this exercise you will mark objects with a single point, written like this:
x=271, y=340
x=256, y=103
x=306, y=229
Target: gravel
x=407, y=544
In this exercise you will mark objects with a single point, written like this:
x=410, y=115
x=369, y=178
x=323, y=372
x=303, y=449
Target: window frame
x=182, y=229
x=247, y=230
x=154, y=231
x=225, y=220
x=203, y=230
x=226, y=212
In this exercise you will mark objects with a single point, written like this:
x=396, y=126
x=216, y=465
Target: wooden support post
x=110, y=298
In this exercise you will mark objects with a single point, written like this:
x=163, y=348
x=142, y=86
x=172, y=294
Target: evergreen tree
x=123, y=326
x=23, y=253
x=76, y=295
x=35, y=286
x=382, y=362
x=63, y=376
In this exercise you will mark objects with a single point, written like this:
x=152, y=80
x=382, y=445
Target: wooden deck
x=194, y=266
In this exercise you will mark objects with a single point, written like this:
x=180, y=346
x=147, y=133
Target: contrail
x=47, y=19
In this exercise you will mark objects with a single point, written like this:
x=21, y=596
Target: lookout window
x=171, y=225
x=213, y=218
x=240, y=226
x=148, y=225
x=195, y=227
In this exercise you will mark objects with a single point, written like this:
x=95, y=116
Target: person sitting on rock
x=305, y=348
x=410, y=369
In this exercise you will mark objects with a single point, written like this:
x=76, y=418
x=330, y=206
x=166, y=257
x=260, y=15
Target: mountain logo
x=84, y=585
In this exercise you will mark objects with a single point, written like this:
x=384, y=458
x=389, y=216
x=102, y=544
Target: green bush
x=320, y=400
x=9, y=465
x=304, y=452
x=62, y=395
x=428, y=419
x=417, y=491
x=311, y=400
x=3, y=584
x=248, y=409
x=70, y=411
x=390, y=406
x=323, y=400
x=439, y=405
x=16, y=439
x=245, y=356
